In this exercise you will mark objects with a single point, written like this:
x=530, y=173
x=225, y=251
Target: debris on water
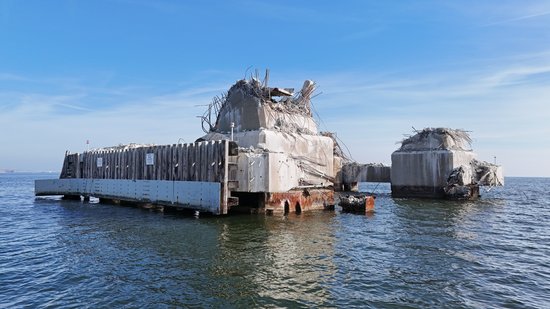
x=361, y=203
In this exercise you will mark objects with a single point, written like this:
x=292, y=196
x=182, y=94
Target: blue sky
x=141, y=71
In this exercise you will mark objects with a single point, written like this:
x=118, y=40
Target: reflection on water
x=416, y=253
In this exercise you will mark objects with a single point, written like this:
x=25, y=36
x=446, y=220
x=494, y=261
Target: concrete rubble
x=439, y=163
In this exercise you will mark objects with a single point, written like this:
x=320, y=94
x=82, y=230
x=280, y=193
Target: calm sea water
x=492, y=253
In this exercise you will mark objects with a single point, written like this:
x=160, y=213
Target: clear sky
x=141, y=71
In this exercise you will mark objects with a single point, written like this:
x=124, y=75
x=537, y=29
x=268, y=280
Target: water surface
x=492, y=253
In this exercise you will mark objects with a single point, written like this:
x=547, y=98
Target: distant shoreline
x=7, y=171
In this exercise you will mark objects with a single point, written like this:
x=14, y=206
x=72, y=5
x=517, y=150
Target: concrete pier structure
x=352, y=173
x=262, y=152
x=439, y=163
x=284, y=163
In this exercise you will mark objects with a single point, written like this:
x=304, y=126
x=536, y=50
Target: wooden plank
x=132, y=164
x=88, y=165
x=106, y=165
x=160, y=160
x=114, y=164
x=204, y=161
x=171, y=162
x=114, y=172
x=174, y=166
x=177, y=156
x=144, y=165
x=219, y=167
x=225, y=188
x=176, y=159
x=198, y=160
x=153, y=168
x=139, y=163
x=118, y=164
x=92, y=166
x=125, y=164
x=167, y=162
x=191, y=162
x=81, y=157
x=77, y=165
x=110, y=165
x=163, y=162
x=97, y=168
x=211, y=161
x=122, y=166
x=207, y=161
x=138, y=166
x=183, y=163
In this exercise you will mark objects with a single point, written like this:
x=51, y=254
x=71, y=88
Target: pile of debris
x=437, y=138
x=278, y=101
x=357, y=203
x=463, y=179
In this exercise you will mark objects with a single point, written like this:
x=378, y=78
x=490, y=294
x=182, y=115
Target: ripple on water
x=410, y=253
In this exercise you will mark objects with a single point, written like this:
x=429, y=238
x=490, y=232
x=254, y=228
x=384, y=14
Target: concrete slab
x=199, y=195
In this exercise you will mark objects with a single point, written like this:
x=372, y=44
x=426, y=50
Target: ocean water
x=491, y=253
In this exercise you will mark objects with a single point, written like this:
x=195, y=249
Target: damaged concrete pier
x=284, y=164
x=353, y=173
x=439, y=163
x=262, y=152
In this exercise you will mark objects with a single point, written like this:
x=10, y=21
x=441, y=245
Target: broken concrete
x=281, y=152
x=353, y=173
x=439, y=163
